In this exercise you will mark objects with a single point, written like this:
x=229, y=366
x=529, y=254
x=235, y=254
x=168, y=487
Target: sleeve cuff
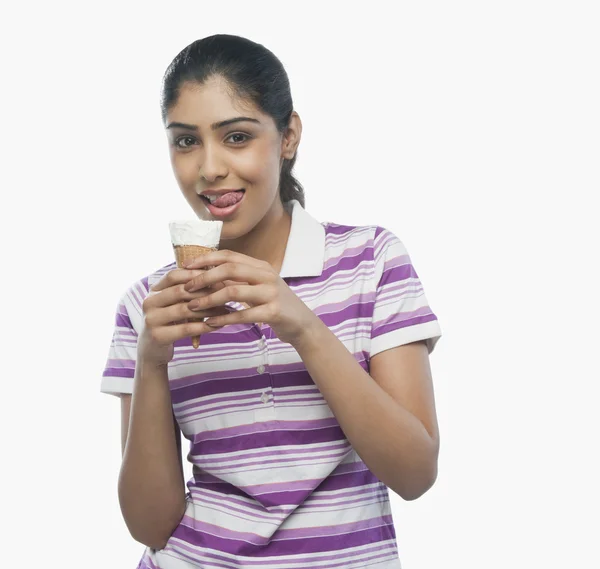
x=117, y=385
x=428, y=331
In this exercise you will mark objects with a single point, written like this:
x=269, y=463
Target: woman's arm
x=151, y=483
x=389, y=416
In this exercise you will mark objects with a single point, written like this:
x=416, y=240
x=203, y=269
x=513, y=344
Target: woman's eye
x=238, y=137
x=179, y=141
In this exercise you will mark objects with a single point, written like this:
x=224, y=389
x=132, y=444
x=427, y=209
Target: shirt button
x=265, y=397
x=260, y=369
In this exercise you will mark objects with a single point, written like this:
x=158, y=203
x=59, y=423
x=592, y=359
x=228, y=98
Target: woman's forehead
x=210, y=102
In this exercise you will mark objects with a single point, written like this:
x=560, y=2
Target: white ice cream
x=196, y=232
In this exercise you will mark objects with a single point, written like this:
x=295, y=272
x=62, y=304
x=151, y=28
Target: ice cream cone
x=185, y=253
x=191, y=239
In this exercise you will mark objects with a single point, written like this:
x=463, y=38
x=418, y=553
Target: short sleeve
x=401, y=313
x=119, y=370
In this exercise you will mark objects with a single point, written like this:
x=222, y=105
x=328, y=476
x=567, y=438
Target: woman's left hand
x=257, y=284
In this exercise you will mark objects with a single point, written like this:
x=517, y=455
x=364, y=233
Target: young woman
x=311, y=393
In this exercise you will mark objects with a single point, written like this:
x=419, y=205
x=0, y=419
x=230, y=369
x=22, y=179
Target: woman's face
x=218, y=142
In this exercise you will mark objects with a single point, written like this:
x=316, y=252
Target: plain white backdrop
x=470, y=129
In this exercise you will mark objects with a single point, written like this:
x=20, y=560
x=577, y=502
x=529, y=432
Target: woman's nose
x=212, y=166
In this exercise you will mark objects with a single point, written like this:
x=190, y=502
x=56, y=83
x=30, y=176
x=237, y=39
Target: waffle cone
x=184, y=253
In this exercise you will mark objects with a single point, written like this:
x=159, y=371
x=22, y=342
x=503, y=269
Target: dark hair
x=252, y=71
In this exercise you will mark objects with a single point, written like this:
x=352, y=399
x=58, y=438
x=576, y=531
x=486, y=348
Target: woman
x=310, y=394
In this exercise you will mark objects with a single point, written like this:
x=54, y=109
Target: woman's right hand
x=166, y=315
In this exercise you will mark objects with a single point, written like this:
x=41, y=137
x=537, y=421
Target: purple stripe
x=316, y=499
x=339, y=556
x=218, y=411
x=399, y=291
x=281, y=399
x=361, y=501
x=362, y=232
x=402, y=260
x=227, y=501
x=247, y=464
x=130, y=364
x=399, y=316
x=282, y=534
x=322, y=531
x=321, y=403
x=203, y=408
x=363, y=251
x=344, y=480
x=353, y=301
x=123, y=320
x=338, y=229
x=197, y=405
x=358, y=310
x=203, y=502
x=272, y=438
x=378, y=231
x=287, y=452
x=379, y=330
x=310, y=391
x=218, y=352
x=342, y=281
x=118, y=372
x=311, y=394
x=217, y=383
x=397, y=273
x=234, y=432
x=358, y=502
x=262, y=547
x=126, y=335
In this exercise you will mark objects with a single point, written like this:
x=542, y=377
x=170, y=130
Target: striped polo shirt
x=275, y=482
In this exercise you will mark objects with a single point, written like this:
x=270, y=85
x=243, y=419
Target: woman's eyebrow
x=214, y=126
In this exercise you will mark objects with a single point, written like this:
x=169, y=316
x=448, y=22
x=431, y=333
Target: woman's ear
x=291, y=137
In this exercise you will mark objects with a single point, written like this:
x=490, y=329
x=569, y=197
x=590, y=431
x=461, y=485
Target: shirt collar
x=305, y=250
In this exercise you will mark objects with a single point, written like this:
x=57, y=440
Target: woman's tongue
x=229, y=199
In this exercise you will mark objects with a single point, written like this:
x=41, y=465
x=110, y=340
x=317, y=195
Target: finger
x=247, y=316
x=230, y=271
x=172, y=333
x=175, y=277
x=178, y=312
x=252, y=295
x=225, y=256
x=201, y=314
x=176, y=294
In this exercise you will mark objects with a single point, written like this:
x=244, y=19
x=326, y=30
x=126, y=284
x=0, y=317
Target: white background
x=470, y=129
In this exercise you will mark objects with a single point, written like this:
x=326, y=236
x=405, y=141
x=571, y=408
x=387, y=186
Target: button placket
x=267, y=410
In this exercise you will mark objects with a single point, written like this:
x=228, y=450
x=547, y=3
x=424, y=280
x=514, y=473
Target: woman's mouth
x=224, y=203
